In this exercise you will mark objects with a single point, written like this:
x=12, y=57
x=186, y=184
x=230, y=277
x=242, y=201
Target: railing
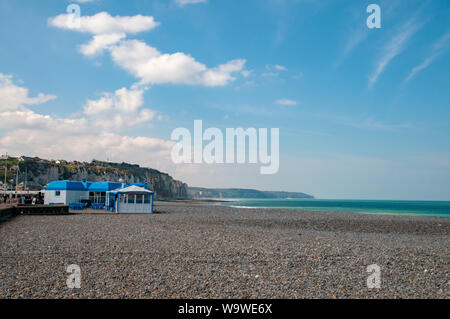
x=97, y=199
x=77, y=206
x=98, y=206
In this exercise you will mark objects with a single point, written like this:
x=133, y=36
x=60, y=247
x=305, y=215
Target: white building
x=65, y=192
x=115, y=197
x=132, y=199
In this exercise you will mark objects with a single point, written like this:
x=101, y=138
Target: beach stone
x=192, y=250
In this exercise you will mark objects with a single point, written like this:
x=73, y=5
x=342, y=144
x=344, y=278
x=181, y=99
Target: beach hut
x=131, y=200
x=64, y=192
x=74, y=192
x=67, y=192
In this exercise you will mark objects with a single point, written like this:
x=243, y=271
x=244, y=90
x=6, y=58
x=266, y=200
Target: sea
x=387, y=207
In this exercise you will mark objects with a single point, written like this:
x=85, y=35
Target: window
x=99, y=197
x=146, y=199
x=131, y=198
x=57, y=193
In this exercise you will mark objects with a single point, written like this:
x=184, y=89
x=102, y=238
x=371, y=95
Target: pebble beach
x=190, y=250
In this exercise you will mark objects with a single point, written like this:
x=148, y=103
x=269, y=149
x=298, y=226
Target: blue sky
x=363, y=113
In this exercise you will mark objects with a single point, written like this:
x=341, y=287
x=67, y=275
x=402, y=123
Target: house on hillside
x=26, y=159
x=7, y=157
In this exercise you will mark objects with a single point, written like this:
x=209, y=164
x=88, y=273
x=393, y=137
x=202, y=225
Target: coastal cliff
x=198, y=192
x=39, y=172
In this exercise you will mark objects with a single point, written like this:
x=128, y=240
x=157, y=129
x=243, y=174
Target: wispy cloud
x=358, y=32
x=394, y=47
x=182, y=3
x=246, y=73
x=274, y=69
x=356, y=37
x=269, y=74
x=371, y=124
x=298, y=76
x=439, y=48
x=280, y=67
x=286, y=102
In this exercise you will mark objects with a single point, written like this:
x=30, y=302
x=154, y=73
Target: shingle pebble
x=203, y=251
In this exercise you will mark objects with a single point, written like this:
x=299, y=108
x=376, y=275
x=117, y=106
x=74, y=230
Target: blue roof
x=88, y=186
x=104, y=186
x=66, y=185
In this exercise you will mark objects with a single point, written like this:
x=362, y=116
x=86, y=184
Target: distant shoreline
x=198, y=200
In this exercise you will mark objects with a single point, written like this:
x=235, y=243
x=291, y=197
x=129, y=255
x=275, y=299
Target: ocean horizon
x=382, y=207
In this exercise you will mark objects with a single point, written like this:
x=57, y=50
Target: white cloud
x=104, y=23
x=394, y=47
x=123, y=100
x=279, y=67
x=112, y=111
x=141, y=60
x=120, y=109
x=30, y=120
x=439, y=47
x=154, y=67
x=182, y=3
x=26, y=132
x=246, y=73
x=273, y=70
x=13, y=97
x=151, y=152
x=276, y=67
x=221, y=74
x=101, y=42
x=286, y=102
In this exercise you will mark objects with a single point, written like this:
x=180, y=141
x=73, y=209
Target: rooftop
x=105, y=186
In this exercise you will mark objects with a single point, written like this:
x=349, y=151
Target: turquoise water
x=393, y=207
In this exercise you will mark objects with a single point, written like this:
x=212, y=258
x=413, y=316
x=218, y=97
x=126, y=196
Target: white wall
x=135, y=208
x=50, y=197
x=66, y=197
